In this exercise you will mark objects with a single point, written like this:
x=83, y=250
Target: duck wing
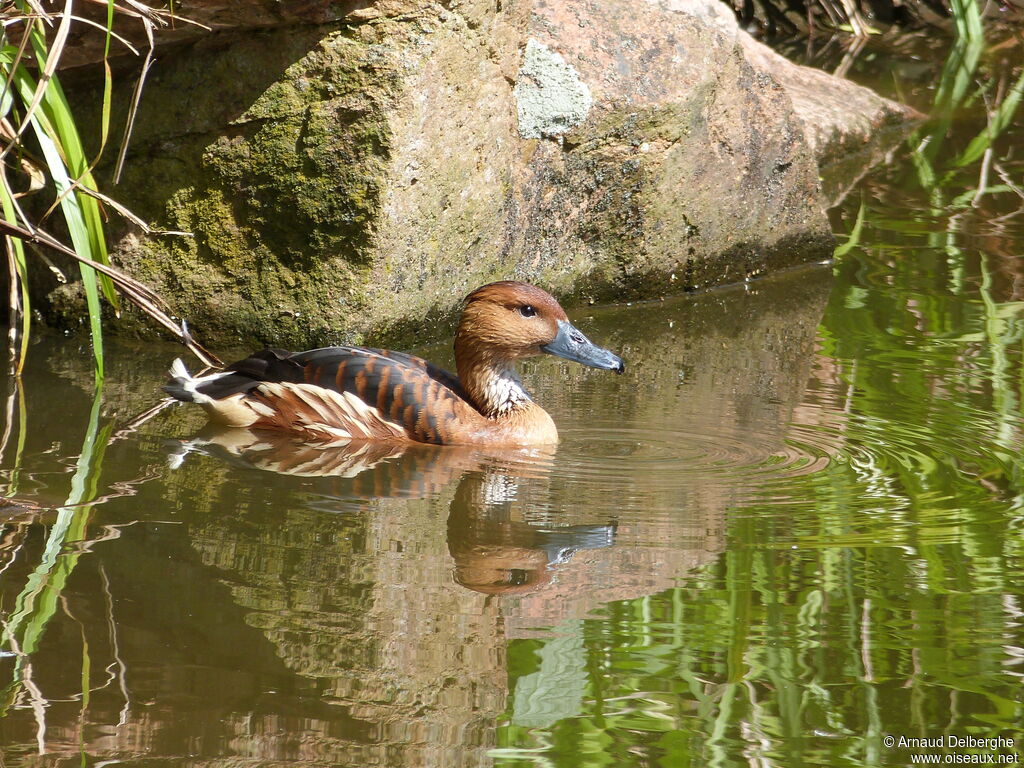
x=344, y=393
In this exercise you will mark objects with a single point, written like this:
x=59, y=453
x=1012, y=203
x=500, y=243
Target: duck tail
x=184, y=386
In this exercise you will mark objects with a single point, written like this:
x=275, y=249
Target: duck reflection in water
x=497, y=548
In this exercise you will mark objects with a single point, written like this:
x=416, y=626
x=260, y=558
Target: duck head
x=502, y=322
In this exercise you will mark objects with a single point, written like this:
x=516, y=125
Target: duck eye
x=527, y=311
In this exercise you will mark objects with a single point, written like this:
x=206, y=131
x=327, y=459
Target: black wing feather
x=245, y=375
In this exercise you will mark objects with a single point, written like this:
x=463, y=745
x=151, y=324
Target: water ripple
x=672, y=457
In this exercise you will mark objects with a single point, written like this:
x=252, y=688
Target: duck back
x=336, y=393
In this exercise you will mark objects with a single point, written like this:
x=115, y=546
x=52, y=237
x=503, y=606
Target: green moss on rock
x=281, y=202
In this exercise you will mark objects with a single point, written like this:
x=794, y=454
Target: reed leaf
x=66, y=138
x=33, y=103
x=999, y=121
x=79, y=230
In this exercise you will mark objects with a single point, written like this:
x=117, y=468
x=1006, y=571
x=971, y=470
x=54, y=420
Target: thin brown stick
x=12, y=20
x=134, y=106
x=150, y=13
x=162, y=16
x=140, y=223
x=157, y=15
x=117, y=8
x=123, y=40
x=137, y=293
x=58, y=275
x=56, y=49
x=37, y=8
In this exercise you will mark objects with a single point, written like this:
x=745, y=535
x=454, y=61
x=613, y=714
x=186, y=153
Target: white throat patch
x=503, y=392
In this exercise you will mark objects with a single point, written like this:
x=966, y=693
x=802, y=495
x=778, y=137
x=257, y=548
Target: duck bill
x=573, y=345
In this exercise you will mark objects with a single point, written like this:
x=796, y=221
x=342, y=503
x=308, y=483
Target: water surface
x=791, y=530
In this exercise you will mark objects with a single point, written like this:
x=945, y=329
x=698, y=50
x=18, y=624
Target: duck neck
x=491, y=383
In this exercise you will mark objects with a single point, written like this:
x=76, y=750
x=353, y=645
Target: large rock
x=690, y=167
x=849, y=128
x=346, y=181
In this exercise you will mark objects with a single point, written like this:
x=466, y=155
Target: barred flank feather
x=332, y=394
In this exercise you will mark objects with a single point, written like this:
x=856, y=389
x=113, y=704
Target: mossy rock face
x=280, y=181
x=336, y=180
x=351, y=182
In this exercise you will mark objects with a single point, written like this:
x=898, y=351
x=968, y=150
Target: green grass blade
x=78, y=166
x=108, y=88
x=110, y=28
x=58, y=140
x=17, y=249
x=81, y=238
x=999, y=121
x=69, y=144
x=108, y=80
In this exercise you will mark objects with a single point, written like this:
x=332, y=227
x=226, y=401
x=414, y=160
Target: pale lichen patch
x=551, y=99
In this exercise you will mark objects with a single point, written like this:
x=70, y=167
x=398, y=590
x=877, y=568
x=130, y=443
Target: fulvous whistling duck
x=339, y=394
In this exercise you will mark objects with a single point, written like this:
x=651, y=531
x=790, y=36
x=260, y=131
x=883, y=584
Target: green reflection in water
x=38, y=601
x=812, y=637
